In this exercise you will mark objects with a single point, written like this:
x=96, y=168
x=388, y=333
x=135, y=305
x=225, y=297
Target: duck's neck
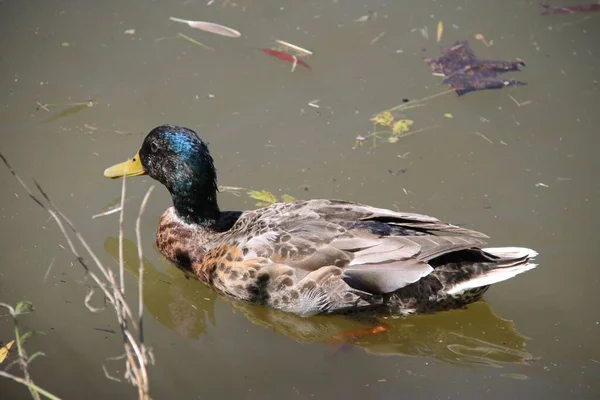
x=196, y=202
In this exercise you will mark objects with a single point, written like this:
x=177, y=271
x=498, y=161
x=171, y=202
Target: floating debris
x=465, y=73
x=519, y=377
x=440, y=31
x=424, y=31
x=398, y=171
x=295, y=48
x=376, y=38
x=448, y=115
x=481, y=135
x=209, y=27
x=129, y=32
x=194, y=41
x=384, y=118
x=541, y=184
x=569, y=9
x=481, y=38
x=365, y=18
x=282, y=55
x=73, y=108
x=402, y=126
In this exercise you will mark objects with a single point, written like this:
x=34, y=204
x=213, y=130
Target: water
x=535, y=336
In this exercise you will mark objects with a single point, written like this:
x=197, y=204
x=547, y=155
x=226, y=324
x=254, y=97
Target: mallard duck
x=313, y=256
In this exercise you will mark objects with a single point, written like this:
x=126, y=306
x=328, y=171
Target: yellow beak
x=131, y=167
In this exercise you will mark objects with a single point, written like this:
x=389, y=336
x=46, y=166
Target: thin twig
x=189, y=39
x=141, y=267
x=121, y=219
x=88, y=297
x=484, y=137
x=48, y=270
x=105, y=213
x=109, y=376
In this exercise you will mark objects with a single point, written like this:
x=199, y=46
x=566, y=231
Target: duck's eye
x=153, y=147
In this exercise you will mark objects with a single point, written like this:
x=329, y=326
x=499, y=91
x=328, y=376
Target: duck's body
x=316, y=256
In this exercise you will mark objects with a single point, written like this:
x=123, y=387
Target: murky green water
x=530, y=183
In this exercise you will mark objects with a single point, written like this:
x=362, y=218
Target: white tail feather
x=498, y=274
x=491, y=277
x=511, y=252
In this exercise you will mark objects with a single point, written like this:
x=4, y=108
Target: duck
x=317, y=256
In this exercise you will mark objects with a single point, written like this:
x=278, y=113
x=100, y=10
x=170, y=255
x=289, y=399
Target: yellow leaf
x=448, y=115
x=392, y=139
x=384, y=118
x=263, y=195
x=4, y=350
x=440, y=31
x=287, y=198
x=402, y=126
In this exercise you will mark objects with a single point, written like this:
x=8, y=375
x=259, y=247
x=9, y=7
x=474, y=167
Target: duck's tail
x=511, y=261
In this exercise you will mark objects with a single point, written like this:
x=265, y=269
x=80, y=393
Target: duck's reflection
x=472, y=336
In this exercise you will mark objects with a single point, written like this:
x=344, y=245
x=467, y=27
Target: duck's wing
x=377, y=250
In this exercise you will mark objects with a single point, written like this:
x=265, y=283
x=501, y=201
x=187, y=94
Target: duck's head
x=176, y=157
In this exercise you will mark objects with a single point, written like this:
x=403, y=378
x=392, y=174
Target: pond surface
x=519, y=164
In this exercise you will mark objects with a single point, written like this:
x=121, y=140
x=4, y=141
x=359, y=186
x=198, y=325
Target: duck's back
x=317, y=256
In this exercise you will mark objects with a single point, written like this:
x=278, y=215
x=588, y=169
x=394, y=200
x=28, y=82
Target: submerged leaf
x=384, y=118
x=209, y=27
x=263, y=195
x=286, y=198
x=69, y=111
x=4, y=350
x=282, y=55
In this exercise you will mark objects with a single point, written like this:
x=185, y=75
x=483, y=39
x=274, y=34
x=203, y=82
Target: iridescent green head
x=176, y=157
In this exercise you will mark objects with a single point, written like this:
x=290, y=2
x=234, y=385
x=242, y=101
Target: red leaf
x=282, y=55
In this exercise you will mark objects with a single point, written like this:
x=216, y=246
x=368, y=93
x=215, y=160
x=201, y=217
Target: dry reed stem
x=135, y=350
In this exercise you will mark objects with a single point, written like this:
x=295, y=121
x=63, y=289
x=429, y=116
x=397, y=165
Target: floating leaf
x=23, y=307
x=286, y=198
x=402, y=126
x=392, y=139
x=384, y=118
x=209, y=27
x=263, y=195
x=440, y=31
x=4, y=350
x=448, y=115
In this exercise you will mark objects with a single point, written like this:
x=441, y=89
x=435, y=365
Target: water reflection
x=475, y=336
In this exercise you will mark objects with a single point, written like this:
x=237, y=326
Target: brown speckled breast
x=181, y=243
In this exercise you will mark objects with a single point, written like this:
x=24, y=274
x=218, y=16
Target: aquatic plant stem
x=114, y=291
x=32, y=386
